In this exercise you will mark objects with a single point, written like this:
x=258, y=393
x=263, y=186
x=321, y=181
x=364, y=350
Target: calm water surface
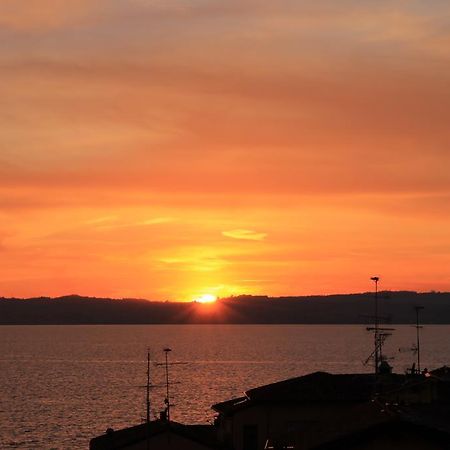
x=62, y=385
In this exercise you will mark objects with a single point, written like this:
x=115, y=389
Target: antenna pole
x=166, y=351
x=147, y=403
x=418, y=327
x=380, y=334
x=377, y=353
x=148, y=387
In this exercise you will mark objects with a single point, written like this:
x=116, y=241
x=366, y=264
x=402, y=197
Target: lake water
x=62, y=385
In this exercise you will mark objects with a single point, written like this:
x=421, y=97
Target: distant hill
x=398, y=307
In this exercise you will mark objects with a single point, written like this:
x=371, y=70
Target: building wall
x=401, y=442
x=307, y=424
x=424, y=393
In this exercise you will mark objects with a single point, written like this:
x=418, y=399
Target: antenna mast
x=379, y=334
x=377, y=348
x=418, y=327
x=147, y=398
x=167, y=401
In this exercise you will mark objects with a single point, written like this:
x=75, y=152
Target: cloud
x=111, y=222
x=245, y=234
x=155, y=221
x=34, y=15
x=101, y=220
x=195, y=263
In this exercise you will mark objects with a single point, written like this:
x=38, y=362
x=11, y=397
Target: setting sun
x=206, y=298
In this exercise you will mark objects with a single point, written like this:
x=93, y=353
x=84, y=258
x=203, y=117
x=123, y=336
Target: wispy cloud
x=196, y=263
x=155, y=221
x=245, y=234
x=110, y=222
x=101, y=220
x=26, y=15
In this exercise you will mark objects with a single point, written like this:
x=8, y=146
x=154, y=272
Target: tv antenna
x=167, y=383
x=415, y=348
x=148, y=386
x=380, y=335
x=418, y=327
x=167, y=400
x=147, y=397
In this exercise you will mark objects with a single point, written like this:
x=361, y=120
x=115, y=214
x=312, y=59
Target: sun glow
x=206, y=298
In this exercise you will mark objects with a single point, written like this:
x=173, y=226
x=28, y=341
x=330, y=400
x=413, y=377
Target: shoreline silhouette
x=397, y=306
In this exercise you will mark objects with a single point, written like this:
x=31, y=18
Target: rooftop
x=114, y=440
x=314, y=387
x=396, y=428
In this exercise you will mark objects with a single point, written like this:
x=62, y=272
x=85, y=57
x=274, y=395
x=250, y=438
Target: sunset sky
x=169, y=149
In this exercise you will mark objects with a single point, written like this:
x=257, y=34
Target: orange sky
x=171, y=148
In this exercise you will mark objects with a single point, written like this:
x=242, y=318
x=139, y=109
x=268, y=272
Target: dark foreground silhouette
x=317, y=411
x=398, y=307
